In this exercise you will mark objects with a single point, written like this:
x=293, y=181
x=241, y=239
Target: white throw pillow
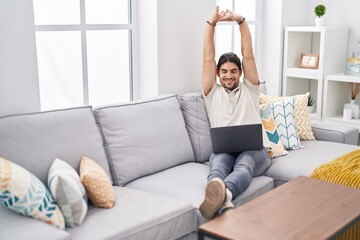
x=66, y=187
x=283, y=112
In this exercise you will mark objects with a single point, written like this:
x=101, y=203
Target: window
x=84, y=52
x=227, y=33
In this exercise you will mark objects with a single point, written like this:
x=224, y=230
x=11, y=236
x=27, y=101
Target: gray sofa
x=155, y=153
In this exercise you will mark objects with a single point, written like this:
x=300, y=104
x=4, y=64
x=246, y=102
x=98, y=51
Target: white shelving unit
x=336, y=94
x=330, y=43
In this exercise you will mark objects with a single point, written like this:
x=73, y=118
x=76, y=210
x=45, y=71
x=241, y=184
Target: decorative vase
x=355, y=109
x=319, y=21
x=311, y=108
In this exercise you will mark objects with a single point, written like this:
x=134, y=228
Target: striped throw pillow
x=65, y=186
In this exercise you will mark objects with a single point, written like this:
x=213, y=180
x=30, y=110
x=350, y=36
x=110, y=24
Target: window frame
x=83, y=27
x=257, y=26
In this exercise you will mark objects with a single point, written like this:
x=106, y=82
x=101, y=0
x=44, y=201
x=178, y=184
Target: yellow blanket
x=344, y=170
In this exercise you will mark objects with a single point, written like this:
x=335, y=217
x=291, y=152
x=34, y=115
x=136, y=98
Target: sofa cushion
x=188, y=182
x=65, y=186
x=23, y=193
x=97, y=183
x=303, y=162
x=149, y=134
x=34, y=140
x=14, y=226
x=283, y=112
x=139, y=215
x=301, y=113
x=270, y=135
x=191, y=178
x=197, y=125
x=335, y=132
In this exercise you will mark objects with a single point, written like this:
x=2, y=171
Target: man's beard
x=234, y=85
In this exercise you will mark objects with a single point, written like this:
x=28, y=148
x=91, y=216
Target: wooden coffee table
x=303, y=208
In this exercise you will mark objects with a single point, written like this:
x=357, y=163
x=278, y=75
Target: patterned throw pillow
x=283, y=113
x=302, y=120
x=65, y=186
x=97, y=183
x=272, y=138
x=23, y=193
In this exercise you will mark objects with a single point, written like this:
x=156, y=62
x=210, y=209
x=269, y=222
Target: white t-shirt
x=237, y=107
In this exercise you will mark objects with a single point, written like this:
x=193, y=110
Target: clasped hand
x=225, y=16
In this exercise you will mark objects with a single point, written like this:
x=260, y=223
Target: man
x=231, y=103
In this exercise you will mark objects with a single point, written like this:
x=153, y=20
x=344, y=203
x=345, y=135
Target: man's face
x=229, y=75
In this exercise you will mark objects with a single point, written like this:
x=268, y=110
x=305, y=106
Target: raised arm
x=248, y=59
x=209, y=64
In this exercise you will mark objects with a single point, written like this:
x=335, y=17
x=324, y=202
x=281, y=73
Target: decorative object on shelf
x=353, y=66
x=355, y=108
x=310, y=104
x=353, y=63
x=354, y=90
x=319, y=12
x=347, y=114
x=356, y=55
x=309, y=60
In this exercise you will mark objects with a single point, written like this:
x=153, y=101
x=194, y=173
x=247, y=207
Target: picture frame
x=309, y=60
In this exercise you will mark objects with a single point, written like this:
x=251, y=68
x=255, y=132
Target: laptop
x=236, y=139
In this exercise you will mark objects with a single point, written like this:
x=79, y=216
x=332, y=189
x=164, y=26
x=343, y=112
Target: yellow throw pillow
x=302, y=120
x=96, y=183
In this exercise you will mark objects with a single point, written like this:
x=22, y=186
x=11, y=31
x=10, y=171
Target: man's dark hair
x=229, y=57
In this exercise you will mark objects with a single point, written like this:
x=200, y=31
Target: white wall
x=271, y=62
x=146, y=41
x=176, y=65
x=19, y=87
x=181, y=31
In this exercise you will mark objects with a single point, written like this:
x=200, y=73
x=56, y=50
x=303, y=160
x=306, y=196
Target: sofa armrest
x=335, y=132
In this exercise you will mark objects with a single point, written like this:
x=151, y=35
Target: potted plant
x=310, y=104
x=319, y=12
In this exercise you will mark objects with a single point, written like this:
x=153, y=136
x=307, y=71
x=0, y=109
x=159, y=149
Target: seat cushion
x=149, y=134
x=34, y=140
x=138, y=215
x=14, y=226
x=188, y=182
x=302, y=162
